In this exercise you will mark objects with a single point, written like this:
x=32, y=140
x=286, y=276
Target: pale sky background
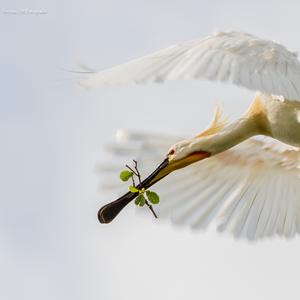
x=52, y=132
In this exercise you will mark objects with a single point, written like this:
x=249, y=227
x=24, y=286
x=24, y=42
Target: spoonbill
x=249, y=185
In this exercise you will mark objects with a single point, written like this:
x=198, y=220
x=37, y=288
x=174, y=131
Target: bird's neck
x=229, y=136
x=253, y=122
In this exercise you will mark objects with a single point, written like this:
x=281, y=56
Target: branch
x=136, y=172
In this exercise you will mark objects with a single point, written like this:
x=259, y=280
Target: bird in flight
x=248, y=185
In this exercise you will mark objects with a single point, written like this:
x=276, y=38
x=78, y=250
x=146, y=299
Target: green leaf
x=125, y=175
x=140, y=200
x=133, y=189
x=152, y=197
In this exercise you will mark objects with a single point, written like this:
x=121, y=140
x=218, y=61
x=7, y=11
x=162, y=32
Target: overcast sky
x=52, y=132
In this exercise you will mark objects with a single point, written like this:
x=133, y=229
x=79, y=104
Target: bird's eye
x=171, y=152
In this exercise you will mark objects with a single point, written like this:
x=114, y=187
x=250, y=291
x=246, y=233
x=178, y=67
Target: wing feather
x=251, y=190
x=235, y=57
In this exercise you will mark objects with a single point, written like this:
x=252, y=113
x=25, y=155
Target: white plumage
x=250, y=186
x=235, y=57
x=251, y=190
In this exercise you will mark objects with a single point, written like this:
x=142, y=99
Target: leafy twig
x=151, y=208
x=141, y=199
x=132, y=178
x=137, y=171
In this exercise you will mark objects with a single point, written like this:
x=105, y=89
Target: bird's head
x=179, y=156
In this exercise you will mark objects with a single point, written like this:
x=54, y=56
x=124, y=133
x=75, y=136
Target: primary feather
x=251, y=190
x=235, y=57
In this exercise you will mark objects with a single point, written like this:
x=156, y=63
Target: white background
x=52, y=132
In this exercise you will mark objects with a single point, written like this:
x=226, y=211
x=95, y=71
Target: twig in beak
x=137, y=173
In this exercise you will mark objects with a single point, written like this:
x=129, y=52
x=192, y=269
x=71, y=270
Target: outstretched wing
x=236, y=57
x=251, y=190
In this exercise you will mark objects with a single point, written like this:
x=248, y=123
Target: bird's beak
x=169, y=165
x=109, y=211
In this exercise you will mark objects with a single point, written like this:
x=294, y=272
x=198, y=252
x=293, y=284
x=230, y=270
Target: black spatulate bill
x=109, y=211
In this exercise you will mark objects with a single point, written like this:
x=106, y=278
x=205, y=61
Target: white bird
x=249, y=186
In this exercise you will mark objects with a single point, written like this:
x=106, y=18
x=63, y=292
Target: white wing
x=236, y=57
x=251, y=190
